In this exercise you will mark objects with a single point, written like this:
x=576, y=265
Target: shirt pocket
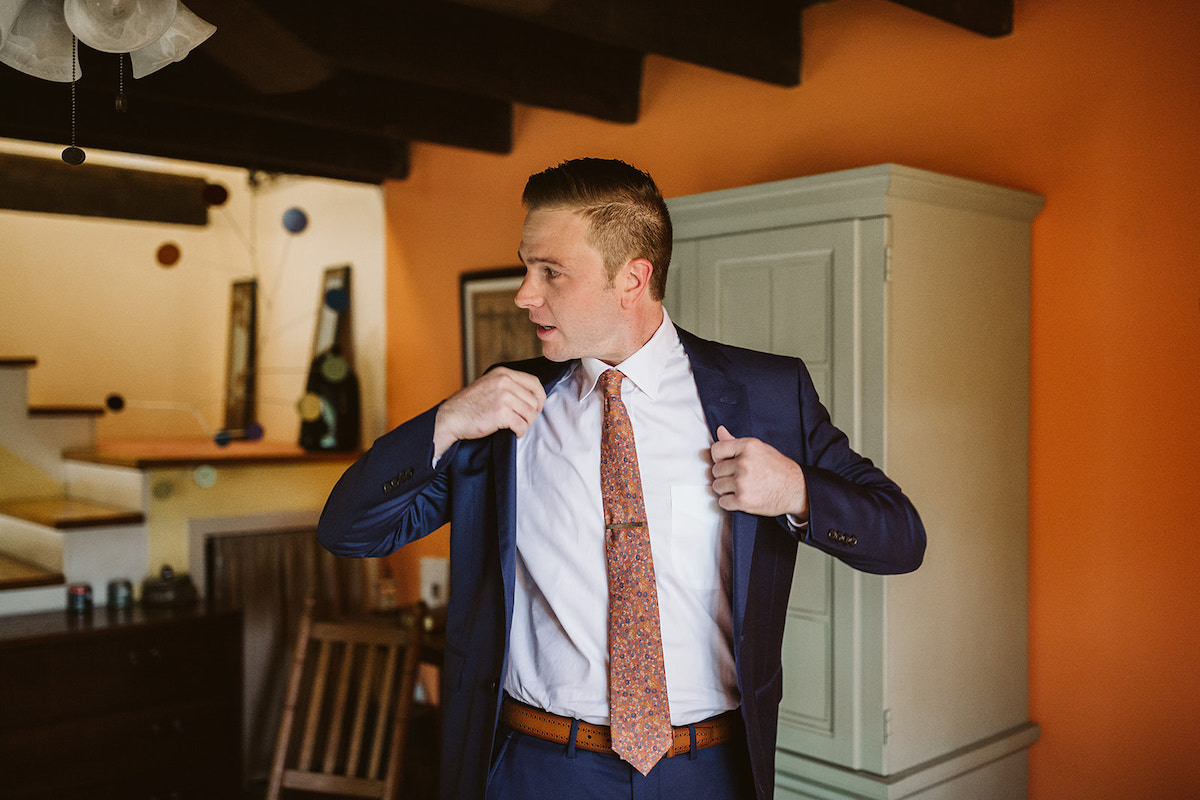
x=696, y=527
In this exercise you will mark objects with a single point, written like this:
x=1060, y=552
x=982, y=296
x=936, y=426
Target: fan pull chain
x=122, y=104
x=73, y=155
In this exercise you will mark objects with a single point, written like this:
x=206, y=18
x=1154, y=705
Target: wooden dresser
x=137, y=704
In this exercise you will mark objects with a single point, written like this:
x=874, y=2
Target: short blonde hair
x=627, y=216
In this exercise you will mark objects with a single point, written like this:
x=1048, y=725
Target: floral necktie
x=637, y=681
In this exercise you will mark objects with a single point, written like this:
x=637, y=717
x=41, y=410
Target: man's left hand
x=752, y=476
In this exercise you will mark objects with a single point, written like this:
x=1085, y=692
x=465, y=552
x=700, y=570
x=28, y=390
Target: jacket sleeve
x=856, y=512
x=391, y=496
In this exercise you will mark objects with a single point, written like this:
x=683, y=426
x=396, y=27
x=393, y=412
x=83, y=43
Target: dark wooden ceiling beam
x=273, y=61
x=339, y=89
x=992, y=18
x=447, y=46
x=757, y=39
x=219, y=137
x=49, y=186
x=364, y=104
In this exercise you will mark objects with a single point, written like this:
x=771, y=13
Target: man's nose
x=527, y=295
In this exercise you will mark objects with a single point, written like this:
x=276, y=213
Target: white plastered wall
x=88, y=298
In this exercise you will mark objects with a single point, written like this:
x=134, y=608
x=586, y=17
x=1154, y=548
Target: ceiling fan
x=40, y=38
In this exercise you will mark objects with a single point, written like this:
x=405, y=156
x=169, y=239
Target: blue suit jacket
x=392, y=496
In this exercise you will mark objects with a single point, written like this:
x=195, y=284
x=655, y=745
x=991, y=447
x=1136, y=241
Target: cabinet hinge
x=887, y=724
x=887, y=249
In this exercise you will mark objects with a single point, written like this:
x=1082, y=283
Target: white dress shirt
x=558, y=652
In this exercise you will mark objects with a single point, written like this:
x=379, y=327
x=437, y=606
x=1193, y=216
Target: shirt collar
x=644, y=368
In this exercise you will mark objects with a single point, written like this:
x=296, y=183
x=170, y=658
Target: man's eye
x=552, y=273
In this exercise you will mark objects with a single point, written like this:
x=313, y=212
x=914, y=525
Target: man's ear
x=635, y=281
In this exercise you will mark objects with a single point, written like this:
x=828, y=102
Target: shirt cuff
x=796, y=524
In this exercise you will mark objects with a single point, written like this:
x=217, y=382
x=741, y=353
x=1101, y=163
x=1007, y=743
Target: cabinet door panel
x=787, y=291
x=808, y=704
x=799, y=291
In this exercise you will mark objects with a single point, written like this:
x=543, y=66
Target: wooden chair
x=348, y=705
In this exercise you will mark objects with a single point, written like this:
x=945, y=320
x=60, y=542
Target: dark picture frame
x=241, y=356
x=494, y=329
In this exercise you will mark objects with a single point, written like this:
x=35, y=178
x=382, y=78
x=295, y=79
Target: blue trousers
x=528, y=768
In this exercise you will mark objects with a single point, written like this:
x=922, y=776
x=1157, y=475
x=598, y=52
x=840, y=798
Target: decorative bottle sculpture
x=330, y=415
x=330, y=411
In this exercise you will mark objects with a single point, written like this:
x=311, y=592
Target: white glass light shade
x=40, y=43
x=186, y=32
x=119, y=26
x=9, y=9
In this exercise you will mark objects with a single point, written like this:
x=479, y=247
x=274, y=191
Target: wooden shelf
x=66, y=411
x=168, y=453
x=63, y=513
x=17, y=574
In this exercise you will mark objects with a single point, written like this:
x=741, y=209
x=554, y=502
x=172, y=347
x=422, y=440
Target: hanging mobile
x=73, y=155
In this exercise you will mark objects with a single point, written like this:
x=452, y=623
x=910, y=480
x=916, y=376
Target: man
x=567, y=619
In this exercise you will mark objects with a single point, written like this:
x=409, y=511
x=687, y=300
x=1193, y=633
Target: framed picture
x=240, y=371
x=494, y=329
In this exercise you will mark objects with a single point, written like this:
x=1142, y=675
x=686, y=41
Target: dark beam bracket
x=50, y=186
x=991, y=18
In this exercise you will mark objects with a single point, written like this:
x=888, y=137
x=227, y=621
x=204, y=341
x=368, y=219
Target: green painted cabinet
x=907, y=295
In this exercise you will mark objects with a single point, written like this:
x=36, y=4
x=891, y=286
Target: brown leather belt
x=553, y=728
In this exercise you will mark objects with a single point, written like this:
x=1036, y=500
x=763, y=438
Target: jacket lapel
x=504, y=468
x=725, y=402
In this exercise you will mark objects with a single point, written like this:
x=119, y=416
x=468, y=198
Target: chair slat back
x=355, y=698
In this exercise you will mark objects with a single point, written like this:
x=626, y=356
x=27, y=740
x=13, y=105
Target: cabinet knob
x=171, y=727
x=149, y=657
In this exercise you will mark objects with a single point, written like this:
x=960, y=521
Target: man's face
x=566, y=290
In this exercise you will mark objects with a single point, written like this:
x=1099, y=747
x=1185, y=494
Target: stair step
x=66, y=411
x=65, y=513
x=18, y=574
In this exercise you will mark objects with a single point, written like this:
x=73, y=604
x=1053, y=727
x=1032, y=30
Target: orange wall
x=1093, y=103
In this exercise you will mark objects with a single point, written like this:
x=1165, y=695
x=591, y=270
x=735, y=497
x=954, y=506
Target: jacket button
x=842, y=538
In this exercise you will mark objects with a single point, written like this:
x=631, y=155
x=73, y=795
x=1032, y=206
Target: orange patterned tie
x=637, y=679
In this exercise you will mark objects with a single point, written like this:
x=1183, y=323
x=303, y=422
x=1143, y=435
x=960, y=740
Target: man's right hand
x=501, y=399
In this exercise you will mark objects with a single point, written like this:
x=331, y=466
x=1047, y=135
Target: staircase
x=61, y=521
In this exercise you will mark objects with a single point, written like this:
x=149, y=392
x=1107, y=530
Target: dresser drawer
x=118, y=668
x=141, y=705
x=187, y=745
